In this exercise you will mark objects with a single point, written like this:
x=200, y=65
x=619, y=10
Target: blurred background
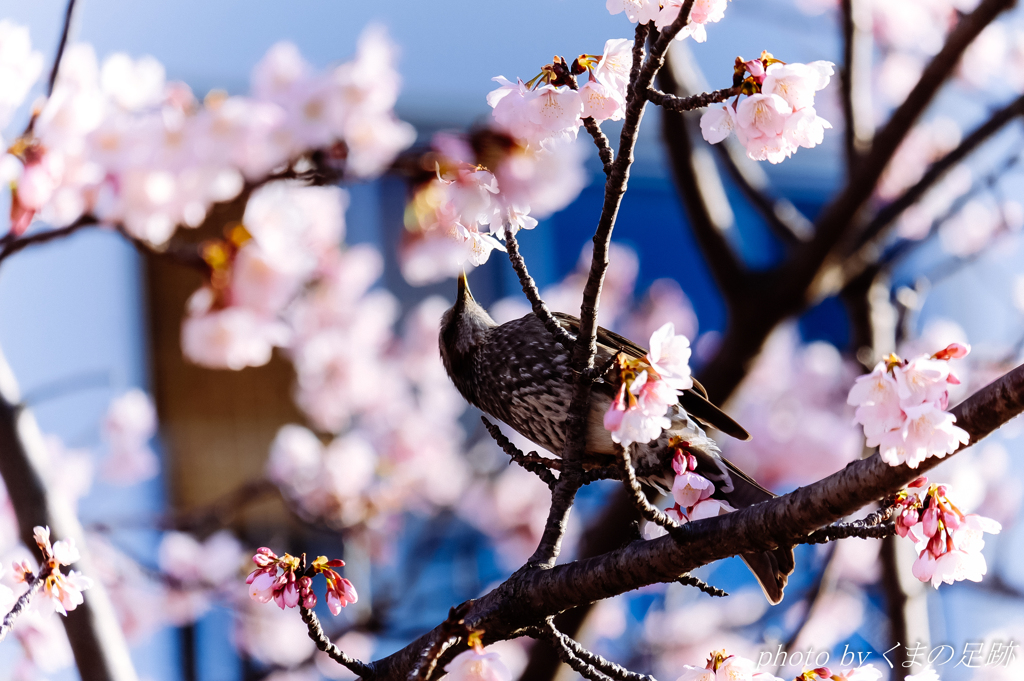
x=87, y=318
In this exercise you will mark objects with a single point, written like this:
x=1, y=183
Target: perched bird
x=517, y=372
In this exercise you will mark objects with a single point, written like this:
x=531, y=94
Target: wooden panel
x=216, y=426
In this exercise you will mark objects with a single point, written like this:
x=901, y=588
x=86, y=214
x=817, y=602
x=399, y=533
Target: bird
x=518, y=372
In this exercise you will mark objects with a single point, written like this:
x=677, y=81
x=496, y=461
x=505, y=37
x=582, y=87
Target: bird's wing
x=694, y=401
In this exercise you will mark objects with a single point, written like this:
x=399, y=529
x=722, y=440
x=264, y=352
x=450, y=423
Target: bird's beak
x=464, y=292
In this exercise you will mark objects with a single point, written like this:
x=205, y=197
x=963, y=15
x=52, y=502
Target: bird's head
x=462, y=328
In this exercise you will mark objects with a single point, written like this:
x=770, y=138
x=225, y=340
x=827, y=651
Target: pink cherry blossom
x=601, y=102
x=876, y=397
x=476, y=665
x=922, y=380
x=690, y=488
x=696, y=674
x=926, y=675
x=797, y=83
x=20, y=66
x=704, y=12
x=616, y=63
x=717, y=122
x=928, y=431
x=709, y=508
x=556, y=111
x=132, y=84
x=669, y=356
x=129, y=426
x=230, y=338
x=638, y=11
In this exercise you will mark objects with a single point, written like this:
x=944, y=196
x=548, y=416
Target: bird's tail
x=771, y=568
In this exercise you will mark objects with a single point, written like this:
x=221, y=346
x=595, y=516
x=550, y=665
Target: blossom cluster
x=948, y=541
x=287, y=582
x=692, y=492
x=902, y=406
x=552, y=105
x=63, y=590
x=777, y=116
x=649, y=387
x=664, y=13
x=481, y=186
x=122, y=144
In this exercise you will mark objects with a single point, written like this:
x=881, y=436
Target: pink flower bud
x=951, y=520
x=952, y=351
x=919, y=482
x=756, y=69
x=823, y=672
x=930, y=521
x=680, y=462
x=264, y=557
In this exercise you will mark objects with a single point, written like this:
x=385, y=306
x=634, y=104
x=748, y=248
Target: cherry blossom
x=20, y=67
x=902, y=404
x=64, y=591
x=926, y=675
x=777, y=117
x=129, y=426
x=280, y=579
x=649, y=388
x=704, y=12
x=476, y=665
x=948, y=542
x=638, y=11
x=669, y=356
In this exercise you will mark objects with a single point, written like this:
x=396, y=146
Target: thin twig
x=540, y=308
x=529, y=462
x=639, y=498
x=316, y=632
x=604, y=147
x=23, y=242
x=35, y=583
x=699, y=101
x=698, y=583
x=595, y=662
x=874, y=526
x=64, y=35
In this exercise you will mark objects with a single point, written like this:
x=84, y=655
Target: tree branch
x=572, y=649
x=538, y=468
x=671, y=102
x=64, y=35
x=887, y=215
x=855, y=78
x=835, y=220
x=529, y=287
x=23, y=602
x=316, y=632
x=604, y=147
